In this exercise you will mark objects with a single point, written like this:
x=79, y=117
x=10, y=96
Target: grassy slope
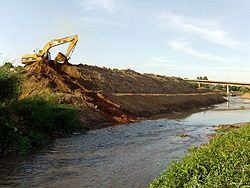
x=224, y=162
x=28, y=124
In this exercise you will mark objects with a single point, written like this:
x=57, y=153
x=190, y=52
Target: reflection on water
x=122, y=156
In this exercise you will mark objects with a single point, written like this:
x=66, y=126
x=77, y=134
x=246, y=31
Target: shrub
x=31, y=122
x=7, y=65
x=24, y=145
x=8, y=136
x=9, y=84
x=46, y=116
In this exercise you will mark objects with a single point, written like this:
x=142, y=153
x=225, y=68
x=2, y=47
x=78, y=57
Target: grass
x=45, y=116
x=30, y=123
x=223, y=162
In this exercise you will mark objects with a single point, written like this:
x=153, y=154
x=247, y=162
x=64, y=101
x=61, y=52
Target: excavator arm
x=72, y=39
x=30, y=58
x=72, y=46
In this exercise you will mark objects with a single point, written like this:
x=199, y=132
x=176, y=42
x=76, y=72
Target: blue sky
x=186, y=38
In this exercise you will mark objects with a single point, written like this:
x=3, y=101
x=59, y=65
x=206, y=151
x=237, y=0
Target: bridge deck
x=224, y=83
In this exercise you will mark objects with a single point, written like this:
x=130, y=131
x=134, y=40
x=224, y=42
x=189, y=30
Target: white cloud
x=88, y=20
x=183, y=45
x=159, y=59
x=178, y=44
x=106, y=5
x=202, y=28
x=158, y=65
x=152, y=65
x=155, y=62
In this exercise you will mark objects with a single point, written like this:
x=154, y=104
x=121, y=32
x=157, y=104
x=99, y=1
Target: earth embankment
x=112, y=95
x=246, y=96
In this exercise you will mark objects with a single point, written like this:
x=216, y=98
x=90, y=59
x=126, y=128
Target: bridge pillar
x=228, y=88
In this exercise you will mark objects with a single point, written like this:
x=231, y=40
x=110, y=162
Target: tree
x=205, y=78
x=202, y=78
x=8, y=65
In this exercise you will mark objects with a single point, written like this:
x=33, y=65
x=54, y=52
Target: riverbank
x=128, y=155
x=104, y=95
x=223, y=162
x=58, y=99
x=30, y=123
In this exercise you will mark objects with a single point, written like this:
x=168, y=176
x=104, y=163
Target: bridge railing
x=222, y=83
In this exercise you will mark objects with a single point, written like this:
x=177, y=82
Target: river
x=128, y=155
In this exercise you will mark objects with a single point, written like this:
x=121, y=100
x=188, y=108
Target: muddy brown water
x=128, y=156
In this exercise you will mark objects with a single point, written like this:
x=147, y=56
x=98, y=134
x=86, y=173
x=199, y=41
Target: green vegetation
x=224, y=162
x=244, y=90
x=240, y=90
x=183, y=135
x=9, y=84
x=202, y=78
x=32, y=122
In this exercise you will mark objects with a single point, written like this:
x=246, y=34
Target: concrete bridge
x=222, y=83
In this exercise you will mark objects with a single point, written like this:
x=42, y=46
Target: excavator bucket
x=61, y=58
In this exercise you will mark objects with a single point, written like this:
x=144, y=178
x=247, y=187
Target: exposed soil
x=112, y=95
x=226, y=127
x=246, y=96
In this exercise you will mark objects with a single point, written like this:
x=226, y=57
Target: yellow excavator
x=45, y=54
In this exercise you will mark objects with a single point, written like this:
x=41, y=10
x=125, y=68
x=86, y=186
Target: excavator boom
x=30, y=58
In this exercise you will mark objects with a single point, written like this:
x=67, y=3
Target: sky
x=184, y=38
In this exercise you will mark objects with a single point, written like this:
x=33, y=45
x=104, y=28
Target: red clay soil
x=112, y=95
x=246, y=96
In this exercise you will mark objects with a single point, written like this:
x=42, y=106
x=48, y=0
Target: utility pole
x=228, y=90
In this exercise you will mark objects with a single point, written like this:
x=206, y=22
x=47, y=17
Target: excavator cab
x=31, y=58
x=47, y=55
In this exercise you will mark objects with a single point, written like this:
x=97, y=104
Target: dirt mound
x=246, y=96
x=94, y=91
x=70, y=78
x=129, y=81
